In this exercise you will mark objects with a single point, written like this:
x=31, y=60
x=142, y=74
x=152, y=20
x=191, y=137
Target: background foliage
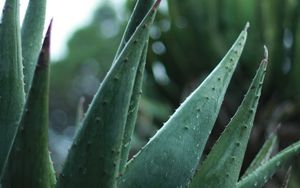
x=188, y=38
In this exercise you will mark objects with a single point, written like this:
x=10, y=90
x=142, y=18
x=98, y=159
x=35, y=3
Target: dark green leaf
x=29, y=164
x=12, y=96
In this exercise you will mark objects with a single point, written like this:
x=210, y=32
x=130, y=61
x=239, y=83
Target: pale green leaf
x=170, y=158
x=222, y=166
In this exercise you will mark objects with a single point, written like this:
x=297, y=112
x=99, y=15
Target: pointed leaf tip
x=43, y=60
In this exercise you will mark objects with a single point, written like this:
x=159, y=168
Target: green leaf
x=263, y=155
x=12, y=97
x=171, y=156
x=140, y=10
x=133, y=111
x=222, y=166
x=264, y=172
x=29, y=164
x=32, y=36
x=94, y=157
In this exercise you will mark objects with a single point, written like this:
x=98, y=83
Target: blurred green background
x=187, y=41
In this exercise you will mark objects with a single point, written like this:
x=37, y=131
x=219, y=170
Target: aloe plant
x=99, y=154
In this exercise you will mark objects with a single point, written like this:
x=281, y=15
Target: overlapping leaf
x=263, y=173
x=133, y=111
x=222, y=166
x=29, y=164
x=171, y=156
x=12, y=96
x=263, y=155
x=94, y=158
x=32, y=34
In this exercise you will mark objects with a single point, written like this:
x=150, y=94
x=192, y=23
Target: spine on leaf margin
x=222, y=166
x=32, y=36
x=29, y=163
x=97, y=146
x=170, y=158
x=12, y=96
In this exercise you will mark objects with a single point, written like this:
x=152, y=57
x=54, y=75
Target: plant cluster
x=98, y=156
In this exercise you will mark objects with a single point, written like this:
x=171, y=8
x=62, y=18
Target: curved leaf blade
x=140, y=10
x=263, y=155
x=133, y=111
x=263, y=173
x=29, y=164
x=32, y=36
x=222, y=166
x=102, y=131
x=12, y=96
x=171, y=156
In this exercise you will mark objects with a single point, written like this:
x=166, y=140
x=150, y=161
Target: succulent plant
x=98, y=156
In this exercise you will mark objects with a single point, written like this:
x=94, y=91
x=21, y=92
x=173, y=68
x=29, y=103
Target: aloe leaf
x=169, y=159
x=140, y=10
x=263, y=155
x=93, y=160
x=264, y=172
x=12, y=96
x=222, y=166
x=32, y=36
x=28, y=163
x=133, y=111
